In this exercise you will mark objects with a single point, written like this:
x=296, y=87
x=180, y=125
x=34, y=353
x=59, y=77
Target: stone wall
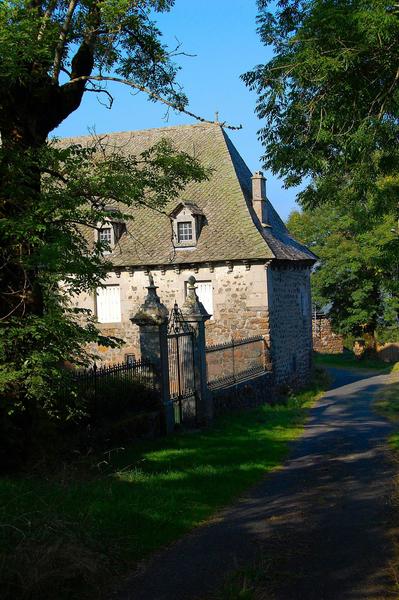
x=325, y=340
x=388, y=352
x=230, y=360
x=290, y=324
x=239, y=300
x=245, y=394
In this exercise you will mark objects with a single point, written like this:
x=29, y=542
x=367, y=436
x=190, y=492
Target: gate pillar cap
x=193, y=309
x=152, y=311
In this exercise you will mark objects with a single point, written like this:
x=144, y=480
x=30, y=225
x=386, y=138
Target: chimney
x=259, y=197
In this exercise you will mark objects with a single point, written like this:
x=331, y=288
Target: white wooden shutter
x=109, y=304
x=205, y=294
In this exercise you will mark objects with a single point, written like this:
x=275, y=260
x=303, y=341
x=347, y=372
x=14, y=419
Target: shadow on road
x=317, y=529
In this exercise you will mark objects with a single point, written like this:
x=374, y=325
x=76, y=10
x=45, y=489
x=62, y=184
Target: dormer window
x=184, y=231
x=105, y=235
x=110, y=230
x=187, y=220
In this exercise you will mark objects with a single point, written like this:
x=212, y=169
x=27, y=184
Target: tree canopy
x=356, y=276
x=329, y=100
x=52, y=52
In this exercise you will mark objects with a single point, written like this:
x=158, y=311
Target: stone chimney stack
x=259, y=197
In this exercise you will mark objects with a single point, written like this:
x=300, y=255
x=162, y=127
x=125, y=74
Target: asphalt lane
x=317, y=529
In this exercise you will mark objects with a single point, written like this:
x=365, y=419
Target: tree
x=357, y=272
x=52, y=52
x=329, y=99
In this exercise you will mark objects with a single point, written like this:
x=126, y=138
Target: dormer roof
x=193, y=208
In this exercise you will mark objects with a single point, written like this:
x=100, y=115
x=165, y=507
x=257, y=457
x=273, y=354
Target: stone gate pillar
x=194, y=312
x=152, y=319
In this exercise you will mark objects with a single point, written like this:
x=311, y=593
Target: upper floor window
x=184, y=231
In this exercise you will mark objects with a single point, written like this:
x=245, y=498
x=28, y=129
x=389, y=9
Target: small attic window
x=187, y=221
x=110, y=230
x=184, y=231
x=105, y=235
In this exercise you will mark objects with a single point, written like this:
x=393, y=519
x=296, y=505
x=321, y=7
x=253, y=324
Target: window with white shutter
x=205, y=294
x=109, y=304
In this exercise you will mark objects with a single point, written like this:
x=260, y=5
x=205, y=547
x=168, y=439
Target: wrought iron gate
x=181, y=367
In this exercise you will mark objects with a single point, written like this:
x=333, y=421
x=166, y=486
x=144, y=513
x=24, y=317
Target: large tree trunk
x=28, y=113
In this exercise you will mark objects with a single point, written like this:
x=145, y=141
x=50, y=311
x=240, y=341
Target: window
x=304, y=301
x=184, y=231
x=187, y=220
x=205, y=294
x=108, y=304
x=130, y=359
x=105, y=235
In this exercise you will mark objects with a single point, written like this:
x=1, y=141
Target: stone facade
x=248, y=300
x=290, y=323
x=325, y=340
x=239, y=300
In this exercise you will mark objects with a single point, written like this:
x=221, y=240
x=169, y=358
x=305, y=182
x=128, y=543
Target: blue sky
x=222, y=36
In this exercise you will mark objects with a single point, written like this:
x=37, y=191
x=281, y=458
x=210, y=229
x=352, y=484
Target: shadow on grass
x=133, y=501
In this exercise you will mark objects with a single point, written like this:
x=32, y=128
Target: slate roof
x=229, y=233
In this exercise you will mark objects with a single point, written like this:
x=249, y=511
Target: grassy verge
x=69, y=535
x=348, y=360
x=387, y=403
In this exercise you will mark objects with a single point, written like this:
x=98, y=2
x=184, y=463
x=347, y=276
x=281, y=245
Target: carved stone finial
x=193, y=309
x=152, y=311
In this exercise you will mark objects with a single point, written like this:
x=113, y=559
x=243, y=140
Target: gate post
x=152, y=319
x=194, y=312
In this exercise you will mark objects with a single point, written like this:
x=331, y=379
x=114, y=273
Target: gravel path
x=320, y=526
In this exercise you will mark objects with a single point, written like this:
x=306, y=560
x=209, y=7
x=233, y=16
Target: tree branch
x=62, y=39
x=45, y=18
x=146, y=90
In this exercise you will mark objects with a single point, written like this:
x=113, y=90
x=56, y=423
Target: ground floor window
x=108, y=303
x=205, y=294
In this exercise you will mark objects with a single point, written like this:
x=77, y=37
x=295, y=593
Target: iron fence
x=235, y=361
x=117, y=389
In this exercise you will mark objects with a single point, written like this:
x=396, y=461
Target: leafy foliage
x=330, y=101
x=74, y=201
x=52, y=197
x=357, y=273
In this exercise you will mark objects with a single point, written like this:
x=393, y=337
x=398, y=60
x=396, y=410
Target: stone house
x=252, y=276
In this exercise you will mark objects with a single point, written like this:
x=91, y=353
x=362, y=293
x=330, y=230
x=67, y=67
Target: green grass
x=387, y=403
x=69, y=535
x=348, y=360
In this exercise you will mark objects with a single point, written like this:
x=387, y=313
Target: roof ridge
x=147, y=130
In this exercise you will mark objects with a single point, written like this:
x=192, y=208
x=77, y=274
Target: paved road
x=319, y=527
